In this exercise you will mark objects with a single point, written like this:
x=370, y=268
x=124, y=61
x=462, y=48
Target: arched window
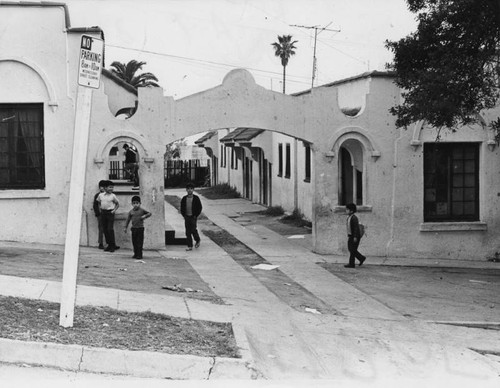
x=351, y=172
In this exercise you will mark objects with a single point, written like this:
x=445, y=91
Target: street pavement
x=358, y=338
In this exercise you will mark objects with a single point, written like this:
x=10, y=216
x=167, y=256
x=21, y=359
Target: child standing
x=137, y=215
x=108, y=204
x=190, y=210
x=97, y=213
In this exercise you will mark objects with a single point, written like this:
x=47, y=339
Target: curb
x=123, y=362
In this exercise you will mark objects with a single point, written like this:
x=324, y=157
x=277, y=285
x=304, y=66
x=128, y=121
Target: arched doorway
x=351, y=169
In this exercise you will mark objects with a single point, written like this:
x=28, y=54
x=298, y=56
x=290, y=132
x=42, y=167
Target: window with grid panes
x=21, y=146
x=451, y=182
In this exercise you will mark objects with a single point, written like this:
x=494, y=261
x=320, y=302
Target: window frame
x=288, y=161
x=14, y=167
x=460, y=178
x=280, y=159
x=307, y=162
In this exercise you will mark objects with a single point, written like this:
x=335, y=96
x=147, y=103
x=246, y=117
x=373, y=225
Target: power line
x=316, y=28
x=201, y=61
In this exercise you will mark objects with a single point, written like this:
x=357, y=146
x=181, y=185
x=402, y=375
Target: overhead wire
x=214, y=64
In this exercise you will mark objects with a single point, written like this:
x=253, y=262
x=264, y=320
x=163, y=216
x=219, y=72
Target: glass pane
x=458, y=166
x=470, y=180
x=470, y=166
x=458, y=208
x=470, y=194
x=429, y=180
x=458, y=180
x=458, y=152
x=430, y=195
x=469, y=208
x=441, y=208
x=470, y=152
x=457, y=195
x=4, y=129
x=4, y=175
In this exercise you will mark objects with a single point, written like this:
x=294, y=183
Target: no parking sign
x=90, y=62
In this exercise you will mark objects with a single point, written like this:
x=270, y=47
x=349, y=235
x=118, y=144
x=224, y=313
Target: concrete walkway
x=365, y=341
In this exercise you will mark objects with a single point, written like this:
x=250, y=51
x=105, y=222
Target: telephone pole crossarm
x=317, y=31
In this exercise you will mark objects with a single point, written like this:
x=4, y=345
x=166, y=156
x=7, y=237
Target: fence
x=179, y=172
x=116, y=169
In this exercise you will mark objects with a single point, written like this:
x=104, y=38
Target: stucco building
x=39, y=53
x=416, y=197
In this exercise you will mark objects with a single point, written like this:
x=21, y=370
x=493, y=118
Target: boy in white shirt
x=108, y=204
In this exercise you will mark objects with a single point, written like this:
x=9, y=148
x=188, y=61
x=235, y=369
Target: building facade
x=315, y=151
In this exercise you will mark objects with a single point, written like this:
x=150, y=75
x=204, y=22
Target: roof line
x=39, y=4
x=368, y=74
x=109, y=74
x=52, y=4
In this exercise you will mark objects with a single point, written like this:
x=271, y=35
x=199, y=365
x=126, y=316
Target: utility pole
x=317, y=31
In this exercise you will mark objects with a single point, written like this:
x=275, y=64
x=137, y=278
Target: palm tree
x=284, y=49
x=127, y=72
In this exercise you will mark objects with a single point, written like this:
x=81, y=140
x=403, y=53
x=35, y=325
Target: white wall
x=38, y=70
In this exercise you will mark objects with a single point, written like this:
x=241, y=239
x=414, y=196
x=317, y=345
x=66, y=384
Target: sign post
x=89, y=74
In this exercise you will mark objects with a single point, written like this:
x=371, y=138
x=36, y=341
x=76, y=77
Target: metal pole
x=314, y=57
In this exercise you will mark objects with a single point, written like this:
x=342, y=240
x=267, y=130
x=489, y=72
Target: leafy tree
x=128, y=73
x=284, y=49
x=450, y=67
x=173, y=150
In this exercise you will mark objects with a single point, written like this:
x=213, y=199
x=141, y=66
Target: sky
x=190, y=45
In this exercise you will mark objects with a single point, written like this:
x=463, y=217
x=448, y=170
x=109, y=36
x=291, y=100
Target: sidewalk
x=365, y=341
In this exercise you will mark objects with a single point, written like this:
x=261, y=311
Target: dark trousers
x=100, y=235
x=133, y=172
x=191, y=230
x=138, y=241
x=107, y=221
x=353, y=251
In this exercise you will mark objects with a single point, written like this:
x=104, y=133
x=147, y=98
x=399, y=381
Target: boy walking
x=97, y=213
x=190, y=210
x=108, y=204
x=137, y=216
x=353, y=237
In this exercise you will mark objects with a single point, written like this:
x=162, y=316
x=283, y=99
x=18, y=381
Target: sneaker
x=116, y=248
x=362, y=261
x=111, y=250
x=349, y=266
x=189, y=248
x=101, y=246
x=197, y=245
x=107, y=249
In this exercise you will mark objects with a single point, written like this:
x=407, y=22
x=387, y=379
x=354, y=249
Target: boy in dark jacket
x=190, y=210
x=97, y=213
x=353, y=237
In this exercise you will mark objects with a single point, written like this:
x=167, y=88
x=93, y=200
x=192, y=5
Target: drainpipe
x=393, y=197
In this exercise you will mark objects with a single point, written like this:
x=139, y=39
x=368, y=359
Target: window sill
x=360, y=209
x=23, y=194
x=452, y=226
